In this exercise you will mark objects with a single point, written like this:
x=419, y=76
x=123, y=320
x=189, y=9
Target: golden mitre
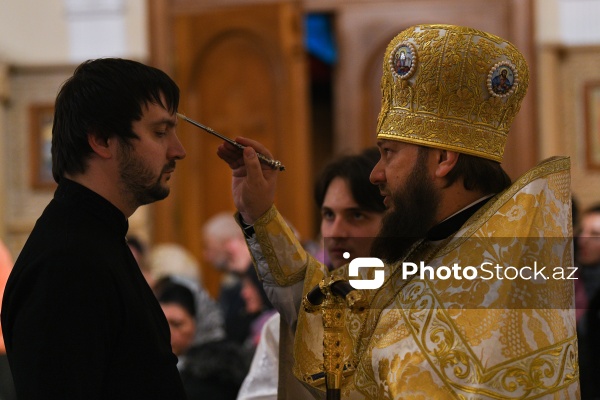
x=453, y=88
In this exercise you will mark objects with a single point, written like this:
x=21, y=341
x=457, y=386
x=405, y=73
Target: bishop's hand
x=253, y=183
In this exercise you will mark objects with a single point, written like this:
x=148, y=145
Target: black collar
x=451, y=225
x=76, y=195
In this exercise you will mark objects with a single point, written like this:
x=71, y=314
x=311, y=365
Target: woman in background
x=210, y=366
x=258, y=307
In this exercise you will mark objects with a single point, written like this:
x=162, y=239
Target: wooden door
x=242, y=72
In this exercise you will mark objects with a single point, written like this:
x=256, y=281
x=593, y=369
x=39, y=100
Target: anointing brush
x=269, y=161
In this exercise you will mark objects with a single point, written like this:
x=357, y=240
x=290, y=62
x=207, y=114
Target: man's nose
x=176, y=149
x=377, y=174
x=339, y=228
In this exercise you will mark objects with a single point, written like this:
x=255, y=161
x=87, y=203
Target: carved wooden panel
x=242, y=72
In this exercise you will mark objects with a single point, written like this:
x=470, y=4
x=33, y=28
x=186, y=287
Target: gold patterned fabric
x=435, y=338
x=453, y=88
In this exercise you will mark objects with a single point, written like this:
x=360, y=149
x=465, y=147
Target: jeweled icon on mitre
x=403, y=60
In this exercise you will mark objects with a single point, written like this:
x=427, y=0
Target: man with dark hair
x=79, y=319
x=437, y=325
x=351, y=207
x=351, y=212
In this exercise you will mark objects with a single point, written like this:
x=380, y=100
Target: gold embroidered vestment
x=436, y=338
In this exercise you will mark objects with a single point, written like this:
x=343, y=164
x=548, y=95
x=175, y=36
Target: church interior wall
x=32, y=70
x=575, y=69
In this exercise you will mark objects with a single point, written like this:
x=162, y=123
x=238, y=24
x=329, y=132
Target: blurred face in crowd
x=238, y=255
x=345, y=226
x=251, y=296
x=182, y=325
x=215, y=252
x=588, y=240
x=227, y=254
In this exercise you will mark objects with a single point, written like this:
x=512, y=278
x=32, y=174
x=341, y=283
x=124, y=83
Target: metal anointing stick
x=269, y=161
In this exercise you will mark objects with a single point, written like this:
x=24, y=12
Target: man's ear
x=445, y=162
x=100, y=146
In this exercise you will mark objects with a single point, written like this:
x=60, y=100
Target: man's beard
x=138, y=180
x=413, y=214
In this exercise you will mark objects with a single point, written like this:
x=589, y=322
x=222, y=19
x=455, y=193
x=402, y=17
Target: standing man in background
x=79, y=319
x=351, y=207
x=351, y=212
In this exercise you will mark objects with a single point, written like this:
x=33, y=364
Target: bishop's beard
x=412, y=215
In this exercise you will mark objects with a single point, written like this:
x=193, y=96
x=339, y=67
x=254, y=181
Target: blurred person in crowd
x=588, y=250
x=167, y=259
x=587, y=291
x=258, y=306
x=7, y=387
x=173, y=261
x=226, y=250
x=211, y=367
x=78, y=317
